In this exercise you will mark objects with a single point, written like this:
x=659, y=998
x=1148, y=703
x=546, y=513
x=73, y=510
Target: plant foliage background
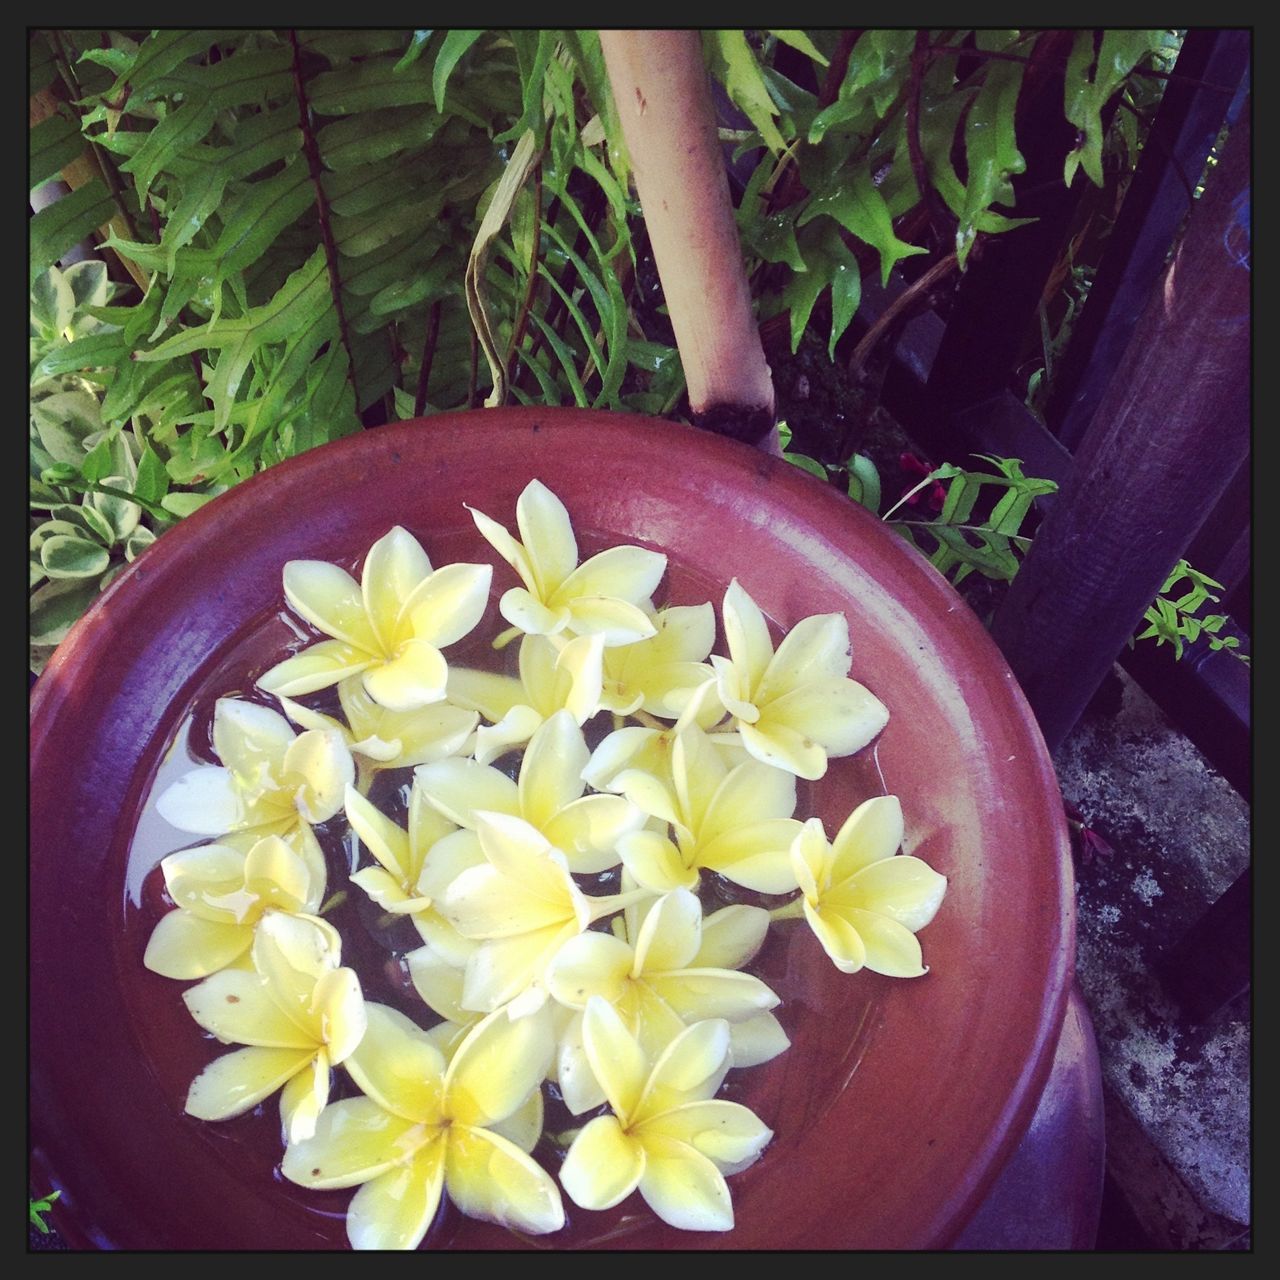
x=308, y=232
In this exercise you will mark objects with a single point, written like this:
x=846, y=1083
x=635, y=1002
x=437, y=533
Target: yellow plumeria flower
x=524, y=905
x=299, y=1012
x=865, y=904
x=549, y=796
x=381, y=739
x=424, y=1129
x=271, y=781
x=657, y=675
x=553, y=677
x=668, y=1136
x=654, y=984
x=606, y=595
x=796, y=707
x=221, y=893
x=734, y=821
x=389, y=628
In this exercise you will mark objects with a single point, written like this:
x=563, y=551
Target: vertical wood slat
x=660, y=86
x=1168, y=435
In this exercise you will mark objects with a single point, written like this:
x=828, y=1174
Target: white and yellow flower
x=297, y=1009
x=272, y=781
x=381, y=739
x=553, y=677
x=523, y=904
x=864, y=903
x=733, y=821
x=659, y=674
x=389, y=628
x=221, y=893
x=606, y=595
x=797, y=707
x=655, y=984
x=668, y=1136
x=549, y=796
x=424, y=1129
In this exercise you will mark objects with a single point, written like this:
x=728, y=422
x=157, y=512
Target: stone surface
x=1178, y=1092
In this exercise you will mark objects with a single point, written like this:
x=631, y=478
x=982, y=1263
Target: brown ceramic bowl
x=898, y=1101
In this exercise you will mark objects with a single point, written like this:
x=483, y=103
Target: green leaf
x=864, y=482
x=991, y=149
x=375, y=135
x=121, y=514
x=66, y=556
x=746, y=85
x=374, y=83
x=65, y=223
x=805, y=463
x=172, y=137
x=159, y=54
x=153, y=480
x=51, y=146
x=456, y=43
x=63, y=421
x=53, y=302
x=56, y=606
x=799, y=40
x=856, y=204
x=137, y=542
x=89, y=282
x=183, y=504
x=414, y=51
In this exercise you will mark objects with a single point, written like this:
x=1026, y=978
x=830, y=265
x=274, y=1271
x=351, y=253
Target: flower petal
x=697, y=994
x=891, y=949
x=505, y=545
x=614, y=754
x=484, y=903
x=431, y=733
x=627, y=573
x=490, y=1178
x=415, y=677
x=459, y=788
x=330, y=599
x=731, y=937
x=588, y=830
x=514, y=729
x=840, y=715
x=730, y=1135
x=551, y=771
x=184, y=946
x=655, y=863
x=355, y=1140
x=490, y=694
x=750, y=793
x=784, y=748
x=395, y=565
x=505, y=968
x=450, y=603
x=524, y=610
x=500, y=1063
x=303, y=1098
x=839, y=938
x=814, y=650
x=236, y=1007
x=525, y=1124
x=670, y=935
x=904, y=889
x=757, y=857
x=547, y=534
x=438, y=982
x=198, y=878
x=650, y=794
x=578, y=1085
x=397, y=1066
x=871, y=833
x=810, y=860
x=395, y=1210
x=603, y=1166
x=616, y=1058
x=320, y=767
x=614, y=621
x=248, y=738
x=382, y=837
x=280, y=876
x=319, y=667
x=690, y=1069
x=578, y=678
x=591, y=964
x=204, y=802
x=756, y=1040
x=237, y=1082
x=337, y=1003
x=447, y=859
x=747, y=634
x=683, y=1187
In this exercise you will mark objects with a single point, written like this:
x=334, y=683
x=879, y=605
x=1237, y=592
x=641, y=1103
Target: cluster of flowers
x=646, y=1015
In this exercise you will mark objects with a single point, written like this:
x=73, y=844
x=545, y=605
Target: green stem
x=793, y=910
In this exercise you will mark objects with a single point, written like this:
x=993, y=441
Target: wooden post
x=1168, y=435
x=660, y=86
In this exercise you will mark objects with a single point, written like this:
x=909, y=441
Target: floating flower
x=658, y=675
x=552, y=678
x=381, y=739
x=605, y=595
x=271, y=781
x=424, y=1129
x=865, y=904
x=653, y=983
x=389, y=628
x=734, y=821
x=221, y=893
x=299, y=1012
x=796, y=707
x=549, y=796
x=667, y=1137
x=522, y=902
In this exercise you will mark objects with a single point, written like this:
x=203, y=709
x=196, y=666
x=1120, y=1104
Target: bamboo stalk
x=668, y=122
